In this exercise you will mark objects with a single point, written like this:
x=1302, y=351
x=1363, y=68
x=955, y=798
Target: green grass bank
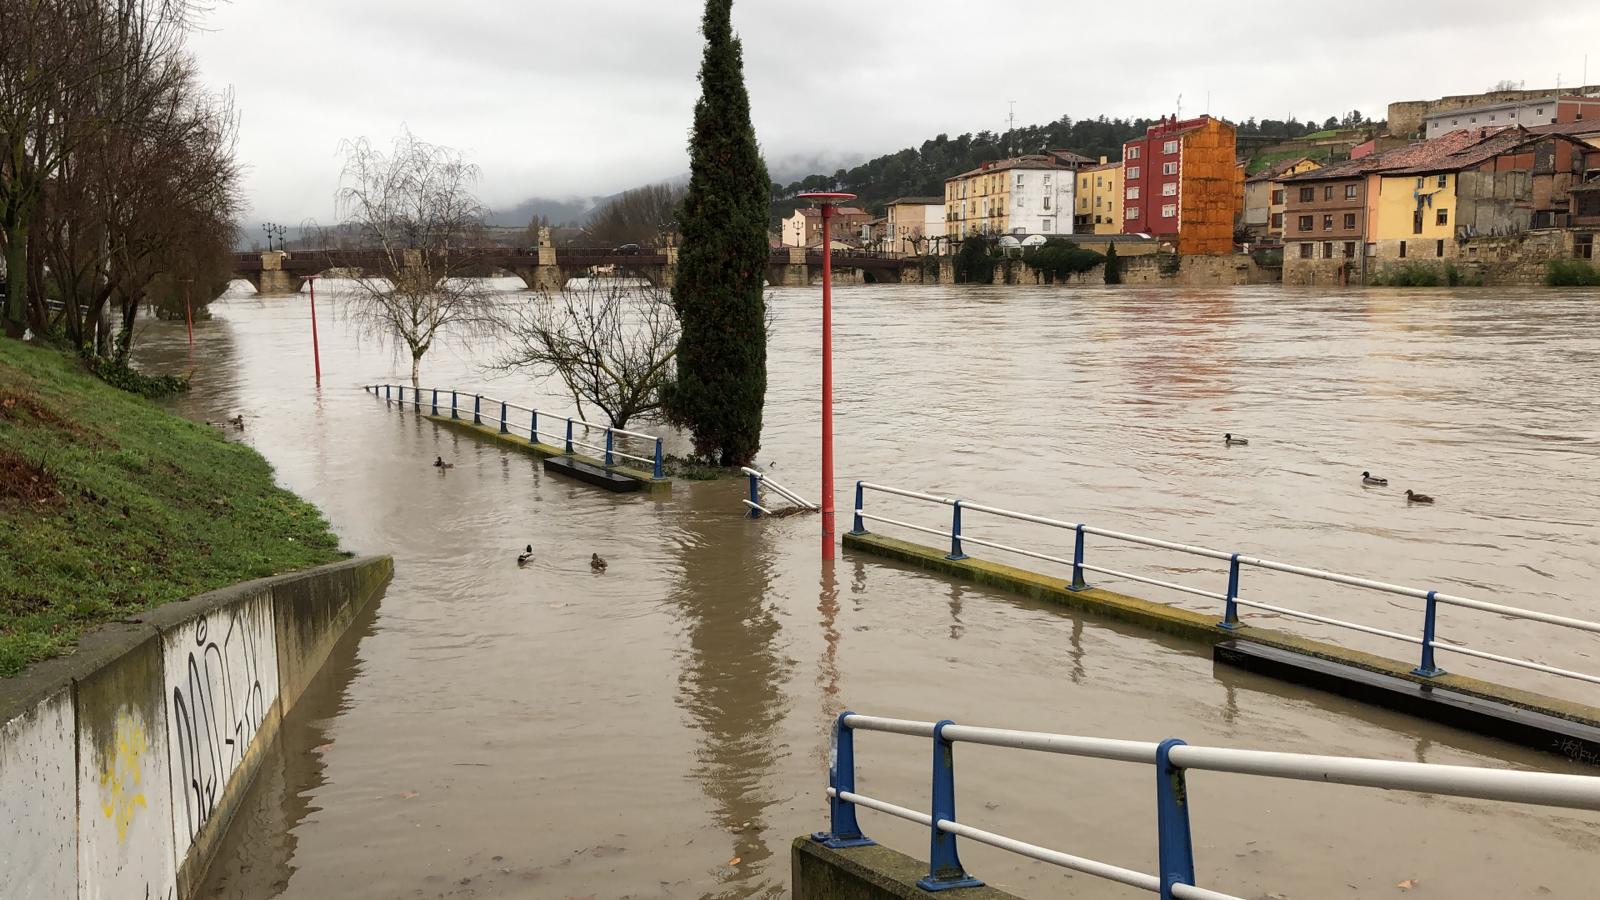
x=110, y=505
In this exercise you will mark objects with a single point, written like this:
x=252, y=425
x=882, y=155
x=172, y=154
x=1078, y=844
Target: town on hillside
x=1462, y=189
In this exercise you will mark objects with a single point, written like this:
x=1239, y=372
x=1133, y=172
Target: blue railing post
x=569, y=434
x=387, y=396
x=1230, y=614
x=533, y=427
x=1078, y=582
x=402, y=395
x=503, y=428
x=1428, y=669
x=610, y=444
x=436, y=401
x=944, y=864
x=955, y=533
x=416, y=399
x=755, y=495
x=453, y=413
x=661, y=463
x=477, y=406
x=843, y=830
x=861, y=497
x=1172, y=822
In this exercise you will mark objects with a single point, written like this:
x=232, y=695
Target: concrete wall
x=865, y=873
x=121, y=765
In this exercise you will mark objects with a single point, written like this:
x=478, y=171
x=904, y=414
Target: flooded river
x=660, y=730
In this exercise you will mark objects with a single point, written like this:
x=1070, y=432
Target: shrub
x=1571, y=273
x=974, y=263
x=1059, y=259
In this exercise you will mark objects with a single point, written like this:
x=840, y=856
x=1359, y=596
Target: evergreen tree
x=1113, y=266
x=722, y=353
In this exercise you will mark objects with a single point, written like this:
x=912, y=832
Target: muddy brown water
x=661, y=730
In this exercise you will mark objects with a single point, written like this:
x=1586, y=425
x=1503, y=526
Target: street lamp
x=827, y=200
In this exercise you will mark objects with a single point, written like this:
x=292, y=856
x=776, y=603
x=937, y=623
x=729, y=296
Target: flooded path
x=661, y=730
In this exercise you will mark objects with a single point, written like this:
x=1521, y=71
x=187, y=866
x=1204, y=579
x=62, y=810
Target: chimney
x=1102, y=160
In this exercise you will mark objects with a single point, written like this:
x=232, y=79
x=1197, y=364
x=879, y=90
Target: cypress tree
x=722, y=351
x=1113, y=270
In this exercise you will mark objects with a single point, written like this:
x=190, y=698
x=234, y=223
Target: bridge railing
x=1427, y=642
x=755, y=503
x=1172, y=760
x=483, y=409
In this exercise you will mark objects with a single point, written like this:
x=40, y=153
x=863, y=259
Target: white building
x=913, y=225
x=1528, y=113
x=1041, y=201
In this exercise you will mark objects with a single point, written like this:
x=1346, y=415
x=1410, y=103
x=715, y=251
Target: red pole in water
x=316, y=352
x=188, y=315
x=827, y=201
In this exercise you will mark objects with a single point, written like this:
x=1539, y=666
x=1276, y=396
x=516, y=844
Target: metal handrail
x=610, y=453
x=1172, y=760
x=757, y=479
x=1428, y=641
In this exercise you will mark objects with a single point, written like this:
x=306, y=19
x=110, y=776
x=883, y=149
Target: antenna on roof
x=1179, y=114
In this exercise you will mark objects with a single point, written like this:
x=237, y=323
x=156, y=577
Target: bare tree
x=415, y=205
x=638, y=216
x=612, y=345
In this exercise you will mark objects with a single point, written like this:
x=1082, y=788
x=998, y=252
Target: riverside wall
x=121, y=765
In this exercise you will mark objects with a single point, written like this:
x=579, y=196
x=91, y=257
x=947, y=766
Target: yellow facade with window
x=1411, y=214
x=1098, y=200
x=977, y=203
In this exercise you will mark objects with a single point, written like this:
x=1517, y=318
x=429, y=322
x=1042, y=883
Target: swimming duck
x=237, y=422
x=1367, y=478
x=1414, y=497
x=596, y=562
x=439, y=463
x=1231, y=441
x=525, y=555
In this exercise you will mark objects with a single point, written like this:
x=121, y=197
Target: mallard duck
x=525, y=555
x=596, y=562
x=237, y=422
x=1414, y=497
x=1231, y=441
x=1367, y=478
x=439, y=463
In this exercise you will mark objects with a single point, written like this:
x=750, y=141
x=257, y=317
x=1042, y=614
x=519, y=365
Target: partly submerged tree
x=612, y=345
x=1113, y=265
x=722, y=355
x=1059, y=259
x=415, y=206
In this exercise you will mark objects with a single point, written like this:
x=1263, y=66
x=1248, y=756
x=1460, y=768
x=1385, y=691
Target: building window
x=1132, y=213
x=1539, y=111
x=1349, y=221
x=1133, y=172
x=1133, y=192
x=1306, y=223
x=1416, y=222
x=1019, y=202
x=1046, y=224
x=1305, y=251
x=1277, y=221
x=1084, y=182
x=1421, y=183
x=1438, y=249
x=1169, y=210
x=1019, y=179
x=1170, y=168
x=1327, y=192
x=1047, y=202
x=1442, y=217
x=1349, y=249
x=1327, y=249
x=1350, y=192
x=1169, y=147
x=1444, y=181
x=1046, y=179
x=1402, y=249
x=1277, y=197
x=1308, y=195
x=1133, y=153
x=1327, y=222
x=1097, y=202
x=1170, y=189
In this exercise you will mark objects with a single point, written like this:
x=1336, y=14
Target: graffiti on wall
x=122, y=778
x=222, y=682
x=124, y=806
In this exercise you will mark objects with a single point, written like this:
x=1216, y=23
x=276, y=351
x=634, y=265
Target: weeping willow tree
x=722, y=353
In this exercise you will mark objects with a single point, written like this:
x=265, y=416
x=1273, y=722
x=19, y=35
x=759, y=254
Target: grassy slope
x=110, y=505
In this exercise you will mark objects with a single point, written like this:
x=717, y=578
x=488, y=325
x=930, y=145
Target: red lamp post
x=827, y=201
x=316, y=352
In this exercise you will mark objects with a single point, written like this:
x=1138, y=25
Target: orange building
x=1180, y=182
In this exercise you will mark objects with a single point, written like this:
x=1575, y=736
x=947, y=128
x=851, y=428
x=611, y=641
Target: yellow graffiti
x=122, y=783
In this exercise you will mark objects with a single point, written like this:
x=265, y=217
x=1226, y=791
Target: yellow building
x=1264, y=198
x=1099, y=199
x=1025, y=195
x=1412, y=215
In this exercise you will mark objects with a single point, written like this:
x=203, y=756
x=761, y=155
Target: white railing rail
x=754, y=503
x=430, y=399
x=1172, y=759
x=1428, y=641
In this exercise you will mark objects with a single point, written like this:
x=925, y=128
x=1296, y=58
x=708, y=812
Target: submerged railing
x=430, y=399
x=1428, y=641
x=759, y=478
x=1172, y=760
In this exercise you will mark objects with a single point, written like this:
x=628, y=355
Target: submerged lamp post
x=316, y=352
x=827, y=201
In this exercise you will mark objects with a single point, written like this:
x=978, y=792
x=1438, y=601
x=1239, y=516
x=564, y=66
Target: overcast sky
x=586, y=97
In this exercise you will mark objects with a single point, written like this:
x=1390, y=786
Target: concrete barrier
x=122, y=764
x=864, y=873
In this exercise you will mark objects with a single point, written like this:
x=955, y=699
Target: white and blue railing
x=758, y=479
x=1172, y=760
x=1427, y=642
x=438, y=401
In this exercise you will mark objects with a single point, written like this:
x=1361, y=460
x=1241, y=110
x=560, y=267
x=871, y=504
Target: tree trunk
x=16, y=311
x=416, y=371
